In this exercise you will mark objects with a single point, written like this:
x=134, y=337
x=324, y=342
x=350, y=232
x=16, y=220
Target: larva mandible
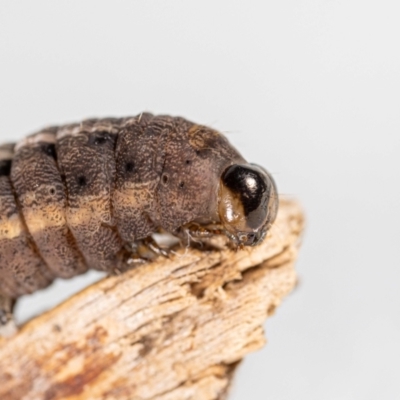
x=72, y=197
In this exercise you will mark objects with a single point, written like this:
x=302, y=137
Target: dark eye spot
x=188, y=162
x=52, y=191
x=181, y=185
x=49, y=149
x=82, y=181
x=5, y=167
x=129, y=167
x=165, y=179
x=99, y=138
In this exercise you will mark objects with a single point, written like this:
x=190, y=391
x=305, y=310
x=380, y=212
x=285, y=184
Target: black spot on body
x=129, y=167
x=82, y=181
x=49, y=149
x=99, y=138
x=182, y=185
x=165, y=179
x=5, y=167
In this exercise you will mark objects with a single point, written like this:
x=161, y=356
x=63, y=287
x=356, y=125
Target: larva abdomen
x=72, y=197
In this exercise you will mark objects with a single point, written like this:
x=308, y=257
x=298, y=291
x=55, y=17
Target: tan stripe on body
x=38, y=219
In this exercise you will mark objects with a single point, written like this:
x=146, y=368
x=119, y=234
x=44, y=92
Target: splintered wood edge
x=168, y=330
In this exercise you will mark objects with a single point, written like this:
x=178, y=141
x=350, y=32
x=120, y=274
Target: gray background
x=309, y=89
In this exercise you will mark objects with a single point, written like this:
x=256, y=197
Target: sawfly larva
x=73, y=197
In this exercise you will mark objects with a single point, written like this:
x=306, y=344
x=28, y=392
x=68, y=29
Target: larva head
x=248, y=203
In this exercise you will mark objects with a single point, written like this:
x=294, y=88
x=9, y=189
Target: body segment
x=85, y=154
x=42, y=198
x=21, y=267
x=140, y=155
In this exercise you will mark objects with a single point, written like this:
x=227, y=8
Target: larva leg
x=197, y=235
x=197, y=232
x=152, y=245
x=145, y=249
x=129, y=258
x=140, y=252
x=7, y=323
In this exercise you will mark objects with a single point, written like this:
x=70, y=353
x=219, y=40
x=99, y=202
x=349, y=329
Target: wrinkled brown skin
x=76, y=195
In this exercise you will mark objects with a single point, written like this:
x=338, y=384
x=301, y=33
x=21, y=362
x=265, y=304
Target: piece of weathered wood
x=168, y=330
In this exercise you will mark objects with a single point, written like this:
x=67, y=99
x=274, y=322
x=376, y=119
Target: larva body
x=72, y=197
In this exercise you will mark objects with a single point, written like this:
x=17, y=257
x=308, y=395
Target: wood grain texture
x=172, y=329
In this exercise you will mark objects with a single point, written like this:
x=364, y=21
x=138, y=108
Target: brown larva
x=73, y=197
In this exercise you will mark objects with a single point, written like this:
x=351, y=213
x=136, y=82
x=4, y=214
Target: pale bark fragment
x=169, y=330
